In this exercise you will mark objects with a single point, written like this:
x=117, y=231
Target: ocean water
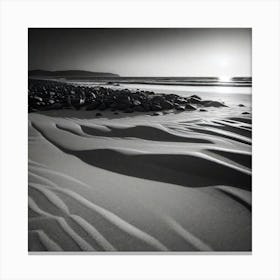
x=230, y=95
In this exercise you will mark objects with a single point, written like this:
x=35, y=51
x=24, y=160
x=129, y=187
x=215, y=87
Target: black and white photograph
x=139, y=139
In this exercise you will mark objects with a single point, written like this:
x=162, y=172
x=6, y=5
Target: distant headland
x=69, y=74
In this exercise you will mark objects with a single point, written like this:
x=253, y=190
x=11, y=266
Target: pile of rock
x=48, y=95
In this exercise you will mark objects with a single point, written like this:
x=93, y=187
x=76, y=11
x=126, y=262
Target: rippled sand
x=132, y=182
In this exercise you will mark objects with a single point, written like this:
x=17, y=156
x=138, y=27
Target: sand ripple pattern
x=210, y=157
x=49, y=192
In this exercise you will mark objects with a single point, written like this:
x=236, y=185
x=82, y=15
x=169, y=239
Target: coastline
x=176, y=182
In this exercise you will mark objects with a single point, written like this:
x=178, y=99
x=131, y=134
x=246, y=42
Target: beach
x=138, y=182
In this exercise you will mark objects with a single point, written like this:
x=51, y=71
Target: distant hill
x=69, y=74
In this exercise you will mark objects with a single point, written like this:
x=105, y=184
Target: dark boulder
x=38, y=98
x=171, y=97
x=55, y=106
x=195, y=96
x=156, y=107
x=241, y=105
x=139, y=108
x=124, y=98
x=113, y=105
x=30, y=109
x=209, y=103
x=146, y=107
x=166, y=105
x=98, y=114
x=92, y=96
x=136, y=103
x=122, y=106
x=190, y=107
x=93, y=106
x=180, y=108
x=194, y=100
x=181, y=101
x=157, y=99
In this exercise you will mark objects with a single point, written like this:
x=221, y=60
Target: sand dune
x=185, y=170
x=177, y=183
x=142, y=132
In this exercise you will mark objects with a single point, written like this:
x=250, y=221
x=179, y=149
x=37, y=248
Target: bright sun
x=224, y=78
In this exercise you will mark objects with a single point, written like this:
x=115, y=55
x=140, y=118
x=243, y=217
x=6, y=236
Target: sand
x=136, y=182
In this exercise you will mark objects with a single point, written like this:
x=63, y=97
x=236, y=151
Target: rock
x=116, y=113
x=108, y=102
x=55, y=106
x=181, y=101
x=156, y=114
x=38, y=98
x=146, y=107
x=203, y=110
x=92, y=106
x=122, y=106
x=241, y=105
x=245, y=113
x=194, y=100
x=113, y=105
x=157, y=99
x=180, y=108
x=171, y=97
x=156, y=107
x=139, y=108
x=124, y=99
x=42, y=95
x=209, y=103
x=190, y=107
x=98, y=114
x=92, y=95
x=30, y=109
x=136, y=103
x=166, y=105
x=195, y=96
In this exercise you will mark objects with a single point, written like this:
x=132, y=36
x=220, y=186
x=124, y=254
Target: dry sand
x=136, y=182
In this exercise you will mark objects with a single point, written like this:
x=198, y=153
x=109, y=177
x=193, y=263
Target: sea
x=236, y=90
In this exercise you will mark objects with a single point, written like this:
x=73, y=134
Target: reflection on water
x=229, y=95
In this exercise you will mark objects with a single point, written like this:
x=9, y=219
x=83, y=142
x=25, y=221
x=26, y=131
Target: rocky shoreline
x=53, y=95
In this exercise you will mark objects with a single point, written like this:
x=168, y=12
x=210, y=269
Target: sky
x=146, y=52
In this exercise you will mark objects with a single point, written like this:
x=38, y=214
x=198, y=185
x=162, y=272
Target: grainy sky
x=143, y=52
